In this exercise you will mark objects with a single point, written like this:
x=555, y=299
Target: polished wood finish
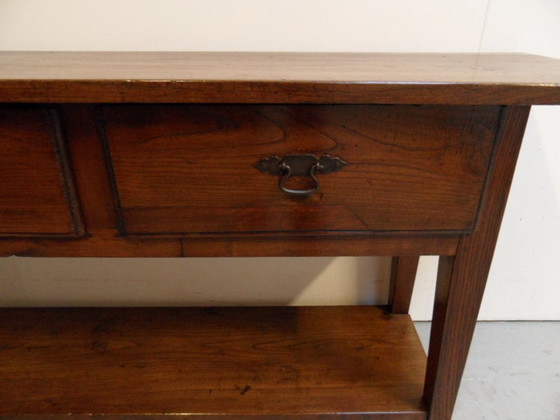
x=188, y=416
x=106, y=243
x=89, y=168
x=211, y=361
x=403, y=275
x=201, y=77
x=100, y=217
x=427, y=175
x=462, y=279
x=190, y=169
x=37, y=196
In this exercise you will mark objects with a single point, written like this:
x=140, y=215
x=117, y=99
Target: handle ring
x=287, y=170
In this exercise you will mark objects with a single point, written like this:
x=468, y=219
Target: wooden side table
x=255, y=154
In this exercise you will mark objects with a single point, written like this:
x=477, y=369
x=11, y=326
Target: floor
x=513, y=372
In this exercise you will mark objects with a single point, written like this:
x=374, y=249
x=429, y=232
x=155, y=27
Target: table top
x=444, y=78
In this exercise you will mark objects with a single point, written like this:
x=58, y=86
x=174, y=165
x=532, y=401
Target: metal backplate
x=300, y=165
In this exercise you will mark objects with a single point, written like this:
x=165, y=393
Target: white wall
x=525, y=278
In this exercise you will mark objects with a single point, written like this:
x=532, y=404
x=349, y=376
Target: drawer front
x=190, y=169
x=36, y=192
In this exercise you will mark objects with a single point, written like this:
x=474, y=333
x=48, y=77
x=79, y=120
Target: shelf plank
x=297, y=362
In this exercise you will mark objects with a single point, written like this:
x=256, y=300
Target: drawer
x=191, y=169
x=37, y=196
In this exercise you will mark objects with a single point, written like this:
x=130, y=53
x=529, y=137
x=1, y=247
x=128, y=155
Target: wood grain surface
x=236, y=361
x=278, y=77
x=189, y=169
x=156, y=179
x=462, y=279
x=403, y=276
x=37, y=196
x=106, y=243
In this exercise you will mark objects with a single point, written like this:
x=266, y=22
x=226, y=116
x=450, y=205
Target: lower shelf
x=297, y=362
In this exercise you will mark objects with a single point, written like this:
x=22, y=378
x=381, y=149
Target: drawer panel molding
x=189, y=169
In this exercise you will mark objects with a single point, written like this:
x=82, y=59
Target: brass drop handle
x=306, y=165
